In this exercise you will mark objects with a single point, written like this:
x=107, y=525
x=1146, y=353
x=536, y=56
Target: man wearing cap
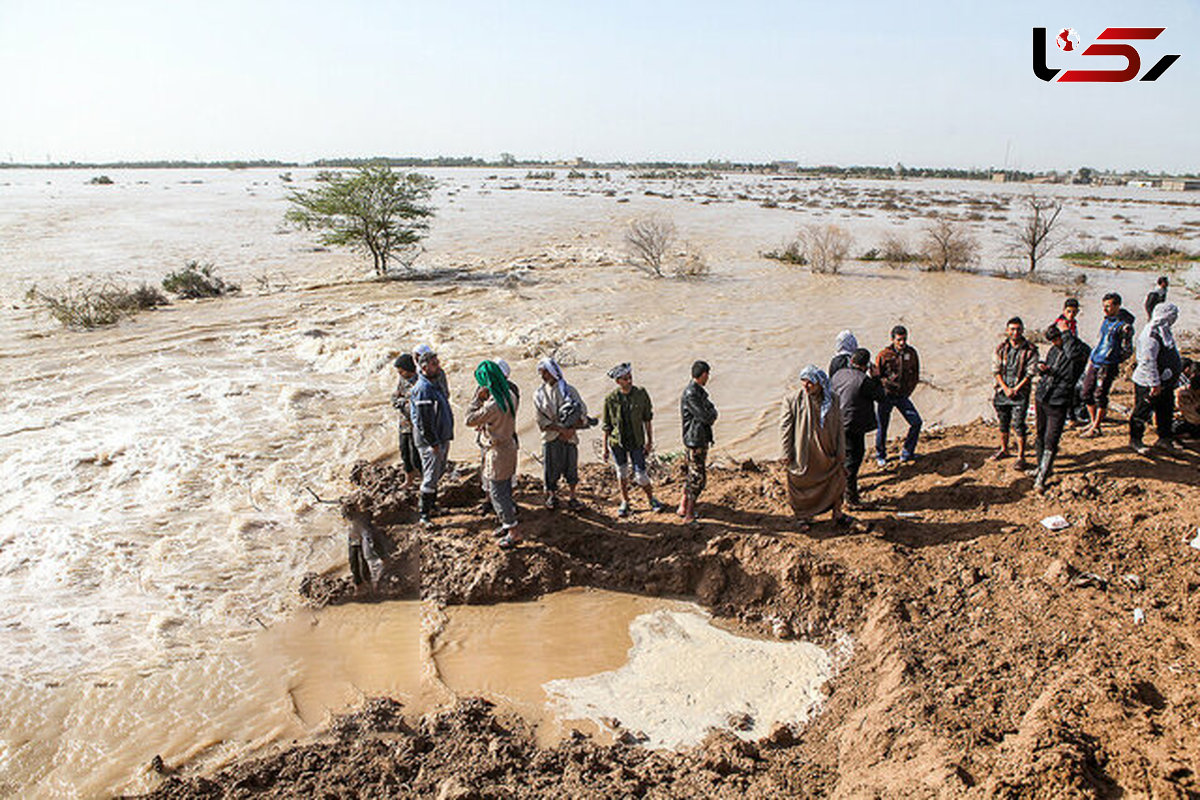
x=629, y=435
x=407, y=369
x=433, y=426
x=559, y=411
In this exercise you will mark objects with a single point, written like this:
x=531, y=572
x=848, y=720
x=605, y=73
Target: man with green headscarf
x=493, y=412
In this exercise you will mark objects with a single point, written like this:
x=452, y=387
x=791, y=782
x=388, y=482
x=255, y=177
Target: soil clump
x=988, y=655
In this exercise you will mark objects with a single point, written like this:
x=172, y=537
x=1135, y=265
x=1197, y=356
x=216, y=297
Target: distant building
x=1181, y=185
x=1144, y=183
x=999, y=177
x=786, y=166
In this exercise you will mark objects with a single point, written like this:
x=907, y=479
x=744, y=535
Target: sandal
x=999, y=454
x=574, y=505
x=508, y=542
x=844, y=521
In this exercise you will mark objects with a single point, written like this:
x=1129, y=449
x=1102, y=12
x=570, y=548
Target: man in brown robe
x=814, y=448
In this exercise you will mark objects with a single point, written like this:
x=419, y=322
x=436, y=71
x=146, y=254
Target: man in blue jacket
x=433, y=428
x=1114, y=345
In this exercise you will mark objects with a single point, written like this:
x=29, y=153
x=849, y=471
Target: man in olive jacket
x=629, y=435
x=698, y=415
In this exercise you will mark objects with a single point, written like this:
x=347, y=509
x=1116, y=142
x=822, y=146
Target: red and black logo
x=1068, y=41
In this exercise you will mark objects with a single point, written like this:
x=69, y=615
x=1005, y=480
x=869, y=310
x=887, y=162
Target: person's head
x=860, y=359
x=899, y=337
x=546, y=375
x=1165, y=315
x=1070, y=309
x=812, y=380
x=405, y=365
x=427, y=361
x=1015, y=330
x=1054, y=335
x=1163, y=281
x=623, y=375
x=1112, y=304
x=700, y=372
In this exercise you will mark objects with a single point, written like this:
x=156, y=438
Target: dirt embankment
x=992, y=657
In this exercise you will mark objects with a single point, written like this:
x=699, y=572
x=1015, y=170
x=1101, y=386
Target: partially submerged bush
x=647, y=239
x=949, y=245
x=101, y=180
x=790, y=253
x=544, y=175
x=95, y=305
x=893, y=251
x=690, y=263
x=825, y=246
x=197, y=280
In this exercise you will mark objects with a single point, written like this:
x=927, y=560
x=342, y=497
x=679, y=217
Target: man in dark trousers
x=1154, y=379
x=1065, y=362
x=857, y=393
x=698, y=415
x=899, y=371
x=1014, y=363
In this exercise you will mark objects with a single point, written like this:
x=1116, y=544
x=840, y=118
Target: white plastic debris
x=1196, y=542
x=1139, y=616
x=1056, y=523
x=907, y=514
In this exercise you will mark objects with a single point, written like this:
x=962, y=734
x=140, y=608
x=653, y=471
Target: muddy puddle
x=596, y=661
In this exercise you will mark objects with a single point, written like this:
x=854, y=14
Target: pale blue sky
x=870, y=82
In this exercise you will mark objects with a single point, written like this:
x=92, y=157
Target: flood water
x=97, y=736
x=156, y=510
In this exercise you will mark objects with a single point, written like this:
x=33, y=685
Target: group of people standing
x=1074, y=380
x=825, y=417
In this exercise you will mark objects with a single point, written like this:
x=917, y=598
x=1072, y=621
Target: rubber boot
x=427, y=509
x=1043, y=473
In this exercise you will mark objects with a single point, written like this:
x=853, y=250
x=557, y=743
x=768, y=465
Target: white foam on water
x=685, y=676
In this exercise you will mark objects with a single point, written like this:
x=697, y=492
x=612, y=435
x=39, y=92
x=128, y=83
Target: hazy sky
x=820, y=82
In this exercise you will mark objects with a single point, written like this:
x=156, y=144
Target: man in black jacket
x=1065, y=362
x=857, y=392
x=698, y=415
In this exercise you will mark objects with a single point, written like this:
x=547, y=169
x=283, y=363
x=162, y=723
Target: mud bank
x=991, y=657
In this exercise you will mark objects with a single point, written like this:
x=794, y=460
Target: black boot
x=1045, y=462
x=427, y=509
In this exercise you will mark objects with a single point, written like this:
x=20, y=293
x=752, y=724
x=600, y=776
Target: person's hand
x=649, y=448
x=481, y=393
x=1155, y=391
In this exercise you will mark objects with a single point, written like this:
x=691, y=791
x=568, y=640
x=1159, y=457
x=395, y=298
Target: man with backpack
x=1154, y=378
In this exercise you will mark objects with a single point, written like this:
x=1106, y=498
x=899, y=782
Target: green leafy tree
x=372, y=209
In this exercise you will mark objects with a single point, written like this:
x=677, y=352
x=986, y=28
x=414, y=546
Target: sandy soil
x=992, y=657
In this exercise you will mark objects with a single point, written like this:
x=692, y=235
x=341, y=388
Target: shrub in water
x=197, y=280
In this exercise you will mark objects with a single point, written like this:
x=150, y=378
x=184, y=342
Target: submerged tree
x=1039, y=233
x=948, y=245
x=373, y=209
x=647, y=239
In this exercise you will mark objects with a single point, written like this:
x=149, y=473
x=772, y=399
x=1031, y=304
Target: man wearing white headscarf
x=559, y=411
x=814, y=448
x=844, y=348
x=1154, y=378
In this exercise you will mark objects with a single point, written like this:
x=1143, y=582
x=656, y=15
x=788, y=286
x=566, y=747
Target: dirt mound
x=991, y=656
